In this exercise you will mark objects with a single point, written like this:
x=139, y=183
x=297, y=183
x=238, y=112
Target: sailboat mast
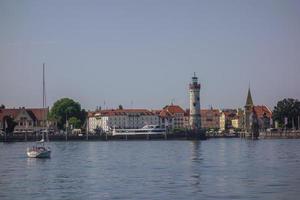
x=44, y=106
x=44, y=99
x=44, y=96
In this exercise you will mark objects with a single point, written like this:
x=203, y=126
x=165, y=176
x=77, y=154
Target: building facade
x=210, y=118
x=222, y=121
x=264, y=116
x=106, y=120
x=27, y=120
x=93, y=123
x=173, y=117
x=231, y=119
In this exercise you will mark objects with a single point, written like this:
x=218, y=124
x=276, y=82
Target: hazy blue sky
x=143, y=53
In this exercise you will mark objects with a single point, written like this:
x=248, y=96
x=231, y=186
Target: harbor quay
x=67, y=121
x=171, y=136
x=188, y=135
x=294, y=134
x=282, y=134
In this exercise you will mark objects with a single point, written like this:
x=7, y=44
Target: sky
x=143, y=53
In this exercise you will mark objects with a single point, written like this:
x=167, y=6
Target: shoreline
x=170, y=136
x=174, y=136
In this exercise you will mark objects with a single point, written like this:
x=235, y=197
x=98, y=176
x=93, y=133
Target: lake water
x=212, y=169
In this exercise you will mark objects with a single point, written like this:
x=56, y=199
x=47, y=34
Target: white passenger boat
x=146, y=130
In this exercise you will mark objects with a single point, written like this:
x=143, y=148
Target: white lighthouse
x=195, y=118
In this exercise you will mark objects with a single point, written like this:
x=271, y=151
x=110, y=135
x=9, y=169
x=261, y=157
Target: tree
x=76, y=123
x=120, y=107
x=289, y=108
x=2, y=106
x=66, y=108
x=8, y=124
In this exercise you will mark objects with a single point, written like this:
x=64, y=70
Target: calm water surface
x=212, y=169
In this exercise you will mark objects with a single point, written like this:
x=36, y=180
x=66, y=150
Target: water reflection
x=213, y=169
x=34, y=161
x=196, y=152
x=196, y=158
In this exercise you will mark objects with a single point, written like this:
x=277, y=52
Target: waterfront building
x=28, y=120
x=210, y=118
x=173, y=116
x=106, y=120
x=240, y=118
x=235, y=123
x=230, y=114
x=231, y=119
x=195, y=117
x=93, y=122
x=222, y=121
x=264, y=115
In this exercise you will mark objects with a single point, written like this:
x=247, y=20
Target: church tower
x=248, y=112
x=194, y=90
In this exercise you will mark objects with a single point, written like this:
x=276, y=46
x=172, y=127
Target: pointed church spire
x=249, y=101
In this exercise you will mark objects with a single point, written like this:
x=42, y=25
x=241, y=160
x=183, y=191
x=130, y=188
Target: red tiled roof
x=171, y=110
x=261, y=110
x=8, y=112
x=174, y=109
x=37, y=113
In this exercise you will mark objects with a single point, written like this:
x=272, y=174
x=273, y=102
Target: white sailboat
x=40, y=150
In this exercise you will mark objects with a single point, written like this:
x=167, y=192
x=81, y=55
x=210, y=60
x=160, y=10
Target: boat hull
x=137, y=133
x=146, y=130
x=39, y=154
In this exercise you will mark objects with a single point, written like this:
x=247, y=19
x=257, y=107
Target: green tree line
x=287, y=108
x=67, y=109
